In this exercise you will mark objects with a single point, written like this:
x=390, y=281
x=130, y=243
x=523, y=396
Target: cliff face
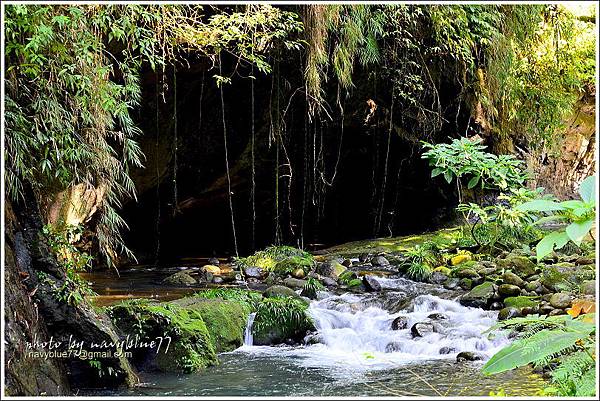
x=23, y=323
x=561, y=174
x=34, y=314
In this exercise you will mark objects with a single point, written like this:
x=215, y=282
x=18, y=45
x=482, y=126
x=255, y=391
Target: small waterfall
x=248, y=340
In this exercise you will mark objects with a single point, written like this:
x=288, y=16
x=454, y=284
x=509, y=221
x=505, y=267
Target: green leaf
x=473, y=182
x=587, y=189
x=577, y=230
x=448, y=176
x=541, y=345
x=547, y=244
x=436, y=171
x=540, y=205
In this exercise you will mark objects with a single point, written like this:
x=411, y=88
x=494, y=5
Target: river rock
x=519, y=264
x=487, y=271
x=452, y=283
x=512, y=278
x=421, y=329
x=211, y=269
x=347, y=263
x=589, y=287
x=280, y=291
x=508, y=290
x=437, y=278
x=467, y=273
x=584, y=260
x=561, y=300
x=180, y=279
x=465, y=283
x=447, y=350
x=438, y=316
x=254, y=272
x=298, y=273
x=214, y=261
x=218, y=280
x=508, y=313
x=468, y=356
x=380, y=261
x=546, y=309
x=363, y=257
x=394, y=346
x=458, y=259
x=480, y=296
x=312, y=338
x=371, y=283
x=555, y=312
x=328, y=282
x=331, y=268
x=496, y=305
x=400, y=323
x=294, y=282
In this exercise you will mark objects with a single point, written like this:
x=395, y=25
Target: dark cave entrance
x=182, y=208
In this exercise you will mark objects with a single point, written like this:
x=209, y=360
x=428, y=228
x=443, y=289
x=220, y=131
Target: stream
x=356, y=353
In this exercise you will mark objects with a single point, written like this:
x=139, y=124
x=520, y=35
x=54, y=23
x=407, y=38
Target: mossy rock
x=280, y=291
x=225, y=320
x=566, y=278
x=480, y=296
x=460, y=259
x=443, y=270
x=520, y=302
x=191, y=348
x=519, y=264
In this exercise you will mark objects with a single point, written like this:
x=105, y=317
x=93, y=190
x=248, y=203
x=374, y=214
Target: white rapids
x=356, y=335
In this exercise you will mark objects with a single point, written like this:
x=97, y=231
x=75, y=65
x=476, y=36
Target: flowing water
x=358, y=354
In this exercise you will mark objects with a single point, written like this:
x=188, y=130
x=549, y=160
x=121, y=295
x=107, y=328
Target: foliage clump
x=281, y=318
x=279, y=259
x=562, y=344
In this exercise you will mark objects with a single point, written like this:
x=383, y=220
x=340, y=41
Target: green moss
x=192, y=348
x=447, y=238
x=520, y=302
x=281, y=259
x=225, y=320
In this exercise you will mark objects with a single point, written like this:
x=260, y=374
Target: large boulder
x=180, y=279
x=332, y=269
x=191, y=348
x=481, y=296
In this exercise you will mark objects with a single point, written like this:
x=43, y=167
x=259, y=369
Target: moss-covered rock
x=520, y=302
x=191, y=348
x=198, y=327
x=480, y=296
x=459, y=259
x=180, y=279
x=559, y=278
x=280, y=291
x=521, y=265
x=225, y=320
